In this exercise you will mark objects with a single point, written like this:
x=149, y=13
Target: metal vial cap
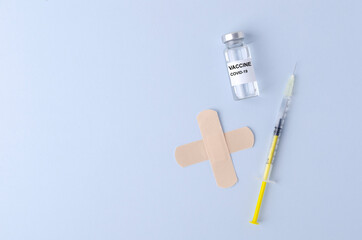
x=232, y=36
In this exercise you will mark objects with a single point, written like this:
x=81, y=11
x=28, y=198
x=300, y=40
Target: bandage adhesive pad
x=216, y=147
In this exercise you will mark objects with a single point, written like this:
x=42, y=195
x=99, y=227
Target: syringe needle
x=295, y=67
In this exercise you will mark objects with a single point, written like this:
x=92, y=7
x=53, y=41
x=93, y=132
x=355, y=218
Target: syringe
x=277, y=131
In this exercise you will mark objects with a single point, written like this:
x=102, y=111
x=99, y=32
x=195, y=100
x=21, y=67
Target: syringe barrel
x=267, y=171
x=284, y=106
x=277, y=132
x=269, y=162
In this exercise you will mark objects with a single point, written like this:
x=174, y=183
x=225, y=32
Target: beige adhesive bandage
x=216, y=147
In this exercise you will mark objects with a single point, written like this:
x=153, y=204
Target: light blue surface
x=96, y=95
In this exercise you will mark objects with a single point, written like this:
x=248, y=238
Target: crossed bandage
x=215, y=146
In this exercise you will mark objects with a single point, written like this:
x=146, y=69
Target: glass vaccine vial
x=240, y=67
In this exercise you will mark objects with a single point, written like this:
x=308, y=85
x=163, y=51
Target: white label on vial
x=241, y=72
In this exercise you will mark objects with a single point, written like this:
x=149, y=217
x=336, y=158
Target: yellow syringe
x=277, y=131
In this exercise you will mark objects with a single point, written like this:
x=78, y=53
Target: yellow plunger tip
x=256, y=223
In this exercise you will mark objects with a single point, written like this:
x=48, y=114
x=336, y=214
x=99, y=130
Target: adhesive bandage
x=216, y=147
